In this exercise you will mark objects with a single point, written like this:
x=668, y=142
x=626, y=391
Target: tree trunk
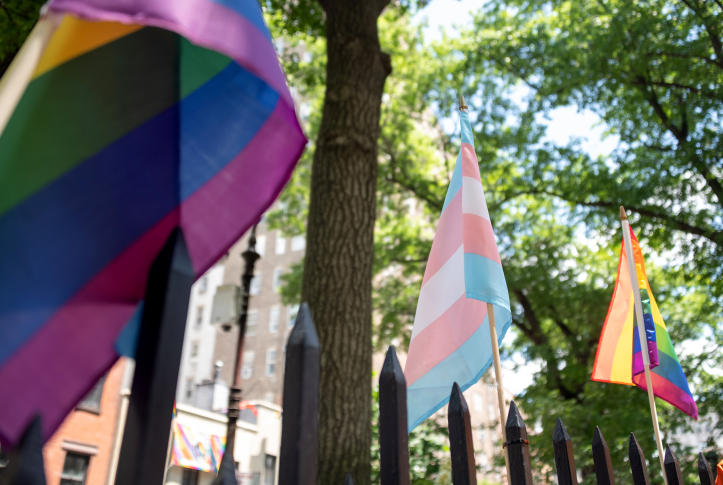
x=340, y=235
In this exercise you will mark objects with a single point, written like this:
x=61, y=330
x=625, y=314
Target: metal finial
x=623, y=216
x=462, y=105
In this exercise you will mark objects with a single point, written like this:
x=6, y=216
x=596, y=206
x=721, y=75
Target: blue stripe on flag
x=455, y=185
x=466, y=128
x=465, y=366
x=669, y=368
x=485, y=280
x=249, y=10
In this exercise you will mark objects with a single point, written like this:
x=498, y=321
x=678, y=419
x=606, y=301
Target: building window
x=261, y=245
x=194, y=350
x=199, y=315
x=274, y=319
x=255, y=284
x=75, y=469
x=491, y=414
x=291, y=312
x=189, y=388
x=247, y=369
x=252, y=319
x=91, y=402
x=203, y=285
x=280, y=244
x=298, y=243
x=270, y=362
x=189, y=477
x=278, y=272
x=270, y=470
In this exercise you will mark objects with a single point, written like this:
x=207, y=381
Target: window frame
x=70, y=480
x=86, y=404
x=270, y=362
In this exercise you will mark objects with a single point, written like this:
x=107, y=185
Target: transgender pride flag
x=451, y=336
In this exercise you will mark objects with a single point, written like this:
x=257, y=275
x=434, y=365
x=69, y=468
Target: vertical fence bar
x=564, y=457
x=518, y=448
x=601, y=459
x=25, y=464
x=300, y=430
x=704, y=471
x=637, y=462
x=158, y=356
x=348, y=480
x=672, y=468
x=393, y=437
x=461, y=446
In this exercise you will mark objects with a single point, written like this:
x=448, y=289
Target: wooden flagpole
x=641, y=335
x=496, y=357
x=498, y=378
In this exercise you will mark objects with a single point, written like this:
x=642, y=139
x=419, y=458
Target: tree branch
x=670, y=221
x=690, y=89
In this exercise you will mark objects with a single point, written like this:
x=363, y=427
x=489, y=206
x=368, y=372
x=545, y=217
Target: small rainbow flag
x=451, y=335
x=619, y=358
x=131, y=118
x=196, y=450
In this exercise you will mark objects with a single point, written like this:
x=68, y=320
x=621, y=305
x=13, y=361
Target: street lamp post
x=250, y=256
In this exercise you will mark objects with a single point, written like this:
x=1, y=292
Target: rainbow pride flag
x=196, y=450
x=134, y=118
x=451, y=335
x=619, y=357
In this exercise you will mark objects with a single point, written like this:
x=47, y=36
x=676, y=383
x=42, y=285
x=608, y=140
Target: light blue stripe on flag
x=466, y=128
x=484, y=280
x=456, y=183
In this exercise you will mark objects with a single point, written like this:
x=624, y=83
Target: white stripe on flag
x=440, y=292
x=473, y=198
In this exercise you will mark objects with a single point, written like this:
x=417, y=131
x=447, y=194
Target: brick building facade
x=84, y=449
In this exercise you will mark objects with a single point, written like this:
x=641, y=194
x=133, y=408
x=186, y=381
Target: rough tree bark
x=340, y=235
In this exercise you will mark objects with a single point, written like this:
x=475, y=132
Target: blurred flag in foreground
x=451, y=336
x=619, y=358
x=119, y=121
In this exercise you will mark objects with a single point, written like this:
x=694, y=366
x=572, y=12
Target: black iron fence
x=298, y=455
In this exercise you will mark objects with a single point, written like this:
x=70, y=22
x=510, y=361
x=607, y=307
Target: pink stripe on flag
x=204, y=22
x=443, y=336
x=479, y=238
x=447, y=239
x=95, y=316
x=470, y=167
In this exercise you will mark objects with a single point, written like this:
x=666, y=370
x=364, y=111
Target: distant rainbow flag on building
x=121, y=120
x=451, y=335
x=619, y=358
x=196, y=450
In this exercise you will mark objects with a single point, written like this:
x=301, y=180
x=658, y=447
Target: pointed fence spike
x=601, y=459
x=704, y=471
x=226, y=471
x=461, y=445
x=564, y=457
x=672, y=468
x=25, y=465
x=393, y=436
x=637, y=462
x=518, y=448
x=299, y=431
x=142, y=458
x=348, y=480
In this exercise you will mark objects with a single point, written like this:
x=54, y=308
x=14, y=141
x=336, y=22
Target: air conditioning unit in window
x=225, y=306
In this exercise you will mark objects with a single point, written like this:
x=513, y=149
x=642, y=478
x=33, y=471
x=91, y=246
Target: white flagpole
x=21, y=69
x=641, y=335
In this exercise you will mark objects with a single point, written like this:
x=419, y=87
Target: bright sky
x=563, y=124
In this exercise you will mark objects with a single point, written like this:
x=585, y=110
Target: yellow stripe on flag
x=623, y=360
x=75, y=37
